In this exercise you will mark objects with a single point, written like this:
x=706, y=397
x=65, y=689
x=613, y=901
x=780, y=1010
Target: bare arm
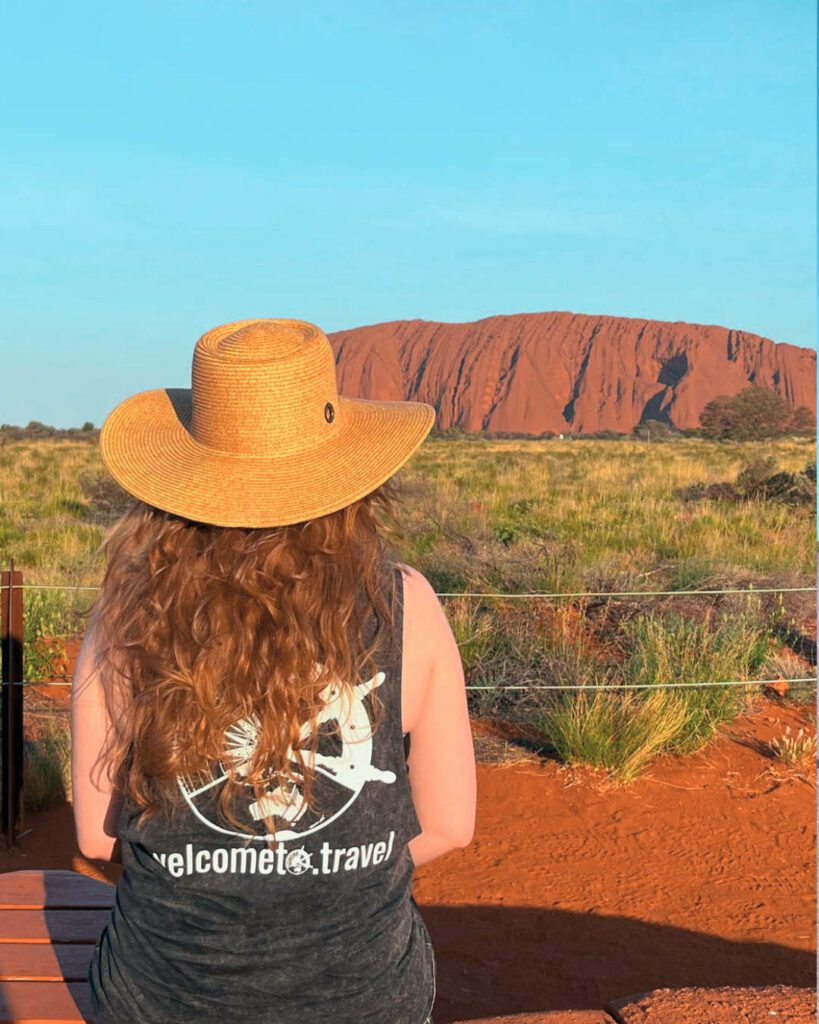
x=441, y=759
x=97, y=803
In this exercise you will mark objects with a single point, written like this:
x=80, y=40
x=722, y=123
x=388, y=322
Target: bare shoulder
x=423, y=612
x=417, y=656
x=425, y=620
x=410, y=573
x=429, y=648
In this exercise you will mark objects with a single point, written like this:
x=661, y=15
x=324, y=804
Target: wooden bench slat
x=45, y=1002
x=49, y=922
x=55, y=889
x=52, y=925
x=35, y=961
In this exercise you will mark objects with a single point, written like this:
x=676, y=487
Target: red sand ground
x=699, y=875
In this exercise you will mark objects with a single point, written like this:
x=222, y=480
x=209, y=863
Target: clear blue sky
x=170, y=166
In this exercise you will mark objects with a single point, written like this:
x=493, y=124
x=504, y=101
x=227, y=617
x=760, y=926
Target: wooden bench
x=49, y=922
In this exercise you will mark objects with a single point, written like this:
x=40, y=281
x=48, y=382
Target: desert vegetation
x=755, y=413
x=603, y=525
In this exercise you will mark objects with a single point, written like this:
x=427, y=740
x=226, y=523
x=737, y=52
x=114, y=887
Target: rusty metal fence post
x=11, y=701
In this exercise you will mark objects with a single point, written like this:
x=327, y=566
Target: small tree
x=753, y=413
x=653, y=430
x=717, y=419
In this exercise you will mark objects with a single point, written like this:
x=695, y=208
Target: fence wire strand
x=552, y=686
x=506, y=596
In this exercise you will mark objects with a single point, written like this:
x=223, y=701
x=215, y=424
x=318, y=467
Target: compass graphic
x=297, y=861
x=340, y=771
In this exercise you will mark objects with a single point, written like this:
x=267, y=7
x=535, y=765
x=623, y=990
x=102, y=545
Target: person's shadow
x=493, y=961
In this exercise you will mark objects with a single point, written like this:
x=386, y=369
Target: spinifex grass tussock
x=590, y=715
x=620, y=732
x=674, y=650
x=515, y=517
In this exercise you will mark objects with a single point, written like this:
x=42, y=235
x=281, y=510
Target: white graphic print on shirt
x=343, y=768
x=249, y=860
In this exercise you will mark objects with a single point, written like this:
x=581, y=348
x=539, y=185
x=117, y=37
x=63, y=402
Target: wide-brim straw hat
x=262, y=437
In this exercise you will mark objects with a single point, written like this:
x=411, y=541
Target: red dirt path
x=700, y=874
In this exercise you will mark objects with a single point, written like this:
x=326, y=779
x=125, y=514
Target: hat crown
x=263, y=387
x=262, y=340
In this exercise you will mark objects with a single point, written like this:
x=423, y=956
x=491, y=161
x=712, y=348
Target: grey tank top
x=210, y=924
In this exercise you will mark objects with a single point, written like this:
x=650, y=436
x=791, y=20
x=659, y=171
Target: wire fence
x=538, y=595
x=15, y=689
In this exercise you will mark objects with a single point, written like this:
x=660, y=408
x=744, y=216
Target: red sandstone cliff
x=563, y=371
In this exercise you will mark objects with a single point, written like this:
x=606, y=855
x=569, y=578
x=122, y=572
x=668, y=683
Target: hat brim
x=147, y=446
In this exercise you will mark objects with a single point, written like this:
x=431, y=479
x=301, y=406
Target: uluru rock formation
x=538, y=372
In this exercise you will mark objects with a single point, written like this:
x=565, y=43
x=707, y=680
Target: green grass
x=623, y=729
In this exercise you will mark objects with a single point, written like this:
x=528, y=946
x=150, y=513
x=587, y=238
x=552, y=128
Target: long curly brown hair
x=198, y=626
